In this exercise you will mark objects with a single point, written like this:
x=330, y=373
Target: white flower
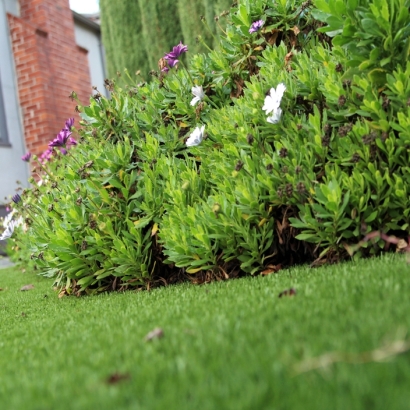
x=272, y=101
x=9, y=230
x=274, y=119
x=196, y=137
x=199, y=94
x=7, y=219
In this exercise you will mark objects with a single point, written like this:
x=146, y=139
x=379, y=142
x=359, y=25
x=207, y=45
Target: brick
x=49, y=66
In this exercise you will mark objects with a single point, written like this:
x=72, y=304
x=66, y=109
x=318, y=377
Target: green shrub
x=133, y=204
x=198, y=24
x=122, y=29
x=151, y=28
x=161, y=28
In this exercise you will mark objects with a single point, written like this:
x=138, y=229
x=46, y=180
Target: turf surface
x=226, y=345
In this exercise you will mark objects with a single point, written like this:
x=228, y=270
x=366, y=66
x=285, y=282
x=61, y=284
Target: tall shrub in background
x=136, y=34
x=122, y=32
x=161, y=28
x=192, y=12
x=214, y=8
x=221, y=5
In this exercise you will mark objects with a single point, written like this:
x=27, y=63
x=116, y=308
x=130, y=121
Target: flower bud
x=238, y=166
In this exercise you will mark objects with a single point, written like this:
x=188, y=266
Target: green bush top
x=288, y=143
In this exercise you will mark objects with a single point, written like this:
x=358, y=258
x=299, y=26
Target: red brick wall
x=49, y=67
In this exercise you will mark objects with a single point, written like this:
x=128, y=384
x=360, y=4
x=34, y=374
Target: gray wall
x=90, y=39
x=12, y=168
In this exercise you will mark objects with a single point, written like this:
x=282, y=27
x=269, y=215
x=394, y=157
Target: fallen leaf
x=121, y=174
x=262, y=222
x=292, y=39
x=288, y=292
x=401, y=245
x=271, y=269
x=182, y=124
x=193, y=270
x=296, y=30
x=272, y=36
x=162, y=63
x=1, y=289
x=288, y=57
x=118, y=377
x=239, y=87
x=62, y=294
x=27, y=287
x=154, y=229
x=157, y=333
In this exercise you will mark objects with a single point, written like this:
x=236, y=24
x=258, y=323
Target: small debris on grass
x=288, y=292
x=402, y=246
x=62, y=294
x=271, y=269
x=118, y=377
x=157, y=333
x=1, y=289
x=23, y=314
x=27, y=287
x=377, y=355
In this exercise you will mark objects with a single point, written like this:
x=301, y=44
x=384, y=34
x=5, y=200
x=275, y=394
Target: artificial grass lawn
x=226, y=345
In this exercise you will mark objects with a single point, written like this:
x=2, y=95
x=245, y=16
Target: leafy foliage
x=122, y=30
x=132, y=205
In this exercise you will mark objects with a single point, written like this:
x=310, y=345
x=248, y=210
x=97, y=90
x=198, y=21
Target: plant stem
x=186, y=70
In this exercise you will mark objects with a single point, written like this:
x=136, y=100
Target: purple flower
x=176, y=51
x=172, y=63
x=256, y=26
x=26, y=157
x=63, y=151
x=61, y=139
x=16, y=198
x=71, y=141
x=68, y=124
x=172, y=57
x=46, y=155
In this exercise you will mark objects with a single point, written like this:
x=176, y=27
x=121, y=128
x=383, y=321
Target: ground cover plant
x=288, y=143
x=339, y=343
